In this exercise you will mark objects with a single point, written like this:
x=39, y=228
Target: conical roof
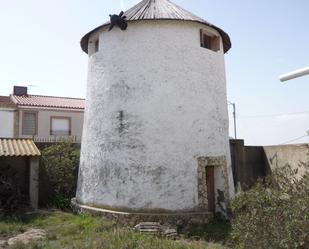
x=160, y=10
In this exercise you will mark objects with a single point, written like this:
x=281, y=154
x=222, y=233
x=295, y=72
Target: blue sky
x=39, y=46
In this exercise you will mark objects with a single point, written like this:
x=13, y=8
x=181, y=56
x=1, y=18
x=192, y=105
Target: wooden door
x=210, y=183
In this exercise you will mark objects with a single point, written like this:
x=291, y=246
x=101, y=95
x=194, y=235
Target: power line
x=274, y=115
x=295, y=139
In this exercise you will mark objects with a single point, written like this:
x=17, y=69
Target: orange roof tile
x=6, y=101
x=49, y=101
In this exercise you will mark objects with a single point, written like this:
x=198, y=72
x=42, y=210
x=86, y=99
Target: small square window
x=211, y=42
x=60, y=126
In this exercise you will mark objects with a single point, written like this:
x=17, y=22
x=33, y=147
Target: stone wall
x=133, y=219
x=293, y=155
x=253, y=162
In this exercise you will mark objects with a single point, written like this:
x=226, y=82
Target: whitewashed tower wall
x=156, y=102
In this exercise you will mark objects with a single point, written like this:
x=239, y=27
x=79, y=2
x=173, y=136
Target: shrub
x=275, y=212
x=216, y=230
x=60, y=162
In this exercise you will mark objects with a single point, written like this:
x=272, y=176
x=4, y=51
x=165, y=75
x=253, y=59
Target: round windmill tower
x=155, y=136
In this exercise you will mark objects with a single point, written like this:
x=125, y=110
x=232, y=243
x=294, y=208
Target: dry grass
x=68, y=231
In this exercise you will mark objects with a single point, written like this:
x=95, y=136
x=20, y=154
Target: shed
x=22, y=157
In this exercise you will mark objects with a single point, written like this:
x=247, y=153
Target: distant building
x=42, y=118
x=7, y=114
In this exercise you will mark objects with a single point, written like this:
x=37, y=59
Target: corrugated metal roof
x=18, y=147
x=49, y=101
x=160, y=10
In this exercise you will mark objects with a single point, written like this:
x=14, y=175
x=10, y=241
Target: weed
x=65, y=230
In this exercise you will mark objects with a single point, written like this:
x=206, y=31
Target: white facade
x=156, y=102
x=7, y=122
x=44, y=124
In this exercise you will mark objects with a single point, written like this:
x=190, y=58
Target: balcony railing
x=57, y=138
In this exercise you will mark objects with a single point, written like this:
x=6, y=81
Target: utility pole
x=293, y=75
x=234, y=116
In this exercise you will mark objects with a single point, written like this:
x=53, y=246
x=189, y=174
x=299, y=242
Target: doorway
x=210, y=185
x=208, y=168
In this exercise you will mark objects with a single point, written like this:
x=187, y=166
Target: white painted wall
x=173, y=96
x=6, y=122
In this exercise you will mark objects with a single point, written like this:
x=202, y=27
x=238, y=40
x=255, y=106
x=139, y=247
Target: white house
x=155, y=135
x=42, y=118
x=7, y=112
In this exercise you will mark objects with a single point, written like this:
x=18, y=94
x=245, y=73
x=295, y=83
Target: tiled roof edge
x=46, y=96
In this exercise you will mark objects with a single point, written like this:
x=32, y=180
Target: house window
x=60, y=126
x=96, y=46
x=29, y=125
x=209, y=41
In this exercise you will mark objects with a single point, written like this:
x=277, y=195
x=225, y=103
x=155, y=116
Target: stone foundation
x=132, y=219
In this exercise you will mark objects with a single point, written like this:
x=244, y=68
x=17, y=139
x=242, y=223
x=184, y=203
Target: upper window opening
x=211, y=42
x=96, y=45
x=60, y=126
x=29, y=125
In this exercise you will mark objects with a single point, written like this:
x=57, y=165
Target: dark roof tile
x=49, y=101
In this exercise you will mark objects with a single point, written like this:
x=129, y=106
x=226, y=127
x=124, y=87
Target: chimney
x=20, y=91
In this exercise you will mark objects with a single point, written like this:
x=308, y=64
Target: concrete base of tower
x=132, y=218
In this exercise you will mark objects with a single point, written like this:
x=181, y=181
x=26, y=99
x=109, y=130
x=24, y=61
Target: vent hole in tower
x=96, y=45
x=209, y=41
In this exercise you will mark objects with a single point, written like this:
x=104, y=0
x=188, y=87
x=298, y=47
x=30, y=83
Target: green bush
x=274, y=213
x=60, y=162
x=216, y=230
